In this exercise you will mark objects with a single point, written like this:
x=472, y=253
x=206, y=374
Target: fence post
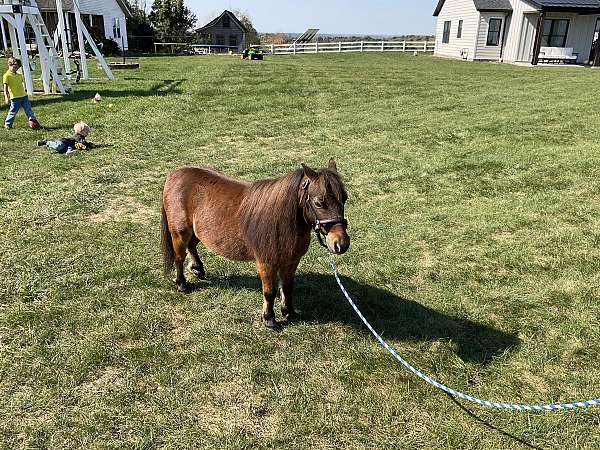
x=340, y=47
x=382, y=45
x=294, y=48
x=317, y=47
x=272, y=49
x=404, y=46
x=362, y=46
x=425, y=46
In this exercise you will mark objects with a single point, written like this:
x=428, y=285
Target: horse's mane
x=270, y=217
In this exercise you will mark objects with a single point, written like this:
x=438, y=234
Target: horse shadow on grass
x=319, y=300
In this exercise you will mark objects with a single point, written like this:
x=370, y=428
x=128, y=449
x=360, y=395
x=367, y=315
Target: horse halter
x=318, y=226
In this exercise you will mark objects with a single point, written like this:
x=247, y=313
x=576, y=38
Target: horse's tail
x=166, y=243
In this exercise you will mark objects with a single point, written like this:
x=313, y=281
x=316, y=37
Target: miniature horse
x=266, y=221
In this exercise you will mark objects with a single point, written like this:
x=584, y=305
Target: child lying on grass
x=73, y=143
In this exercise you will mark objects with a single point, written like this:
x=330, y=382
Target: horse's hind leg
x=196, y=266
x=268, y=276
x=180, y=243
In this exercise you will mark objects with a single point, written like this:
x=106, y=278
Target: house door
x=595, y=40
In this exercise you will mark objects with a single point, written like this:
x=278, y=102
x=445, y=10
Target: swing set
x=24, y=33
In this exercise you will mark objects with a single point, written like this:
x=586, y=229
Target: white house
x=519, y=31
x=107, y=17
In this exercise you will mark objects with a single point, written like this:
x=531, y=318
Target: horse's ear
x=332, y=165
x=310, y=173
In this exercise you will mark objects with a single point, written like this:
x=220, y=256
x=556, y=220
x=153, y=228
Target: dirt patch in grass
x=179, y=331
x=108, y=379
x=124, y=209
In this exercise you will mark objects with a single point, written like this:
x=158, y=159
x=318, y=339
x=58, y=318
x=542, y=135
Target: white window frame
x=116, y=28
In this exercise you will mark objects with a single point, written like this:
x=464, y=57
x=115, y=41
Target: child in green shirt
x=15, y=95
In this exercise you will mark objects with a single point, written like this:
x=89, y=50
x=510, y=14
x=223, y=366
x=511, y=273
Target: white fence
x=343, y=47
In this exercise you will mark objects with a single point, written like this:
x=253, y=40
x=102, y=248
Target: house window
x=493, y=37
x=555, y=32
x=117, y=28
x=459, y=32
x=98, y=24
x=446, y=36
x=226, y=22
x=233, y=42
x=220, y=39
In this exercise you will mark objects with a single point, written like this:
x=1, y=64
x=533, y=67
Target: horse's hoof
x=271, y=324
x=291, y=316
x=198, y=272
x=184, y=288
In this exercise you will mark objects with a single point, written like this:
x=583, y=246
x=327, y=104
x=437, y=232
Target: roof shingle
x=492, y=5
x=217, y=19
x=504, y=5
x=568, y=3
x=482, y=5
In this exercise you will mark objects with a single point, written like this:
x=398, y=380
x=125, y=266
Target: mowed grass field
x=474, y=210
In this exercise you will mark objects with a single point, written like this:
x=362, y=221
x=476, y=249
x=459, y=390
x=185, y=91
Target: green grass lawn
x=474, y=209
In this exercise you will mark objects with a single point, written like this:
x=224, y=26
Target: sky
x=367, y=17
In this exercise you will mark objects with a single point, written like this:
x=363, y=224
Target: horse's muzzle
x=337, y=240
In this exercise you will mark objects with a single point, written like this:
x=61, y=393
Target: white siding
x=455, y=10
x=110, y=10
x=526, y=40
x=484, y=51
x=520, y=32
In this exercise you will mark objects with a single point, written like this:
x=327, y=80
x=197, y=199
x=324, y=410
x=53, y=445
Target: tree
x=251, y=34
x=137, y=5
x=161, y=17
x=140, y=30
x=171, y=18
x=183, y=19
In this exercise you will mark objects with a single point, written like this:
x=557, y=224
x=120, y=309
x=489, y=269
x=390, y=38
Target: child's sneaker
x=7, y=126
x=41, y=142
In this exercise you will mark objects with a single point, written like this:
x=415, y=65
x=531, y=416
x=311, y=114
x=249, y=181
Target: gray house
x=225, y=33
x=519, y=31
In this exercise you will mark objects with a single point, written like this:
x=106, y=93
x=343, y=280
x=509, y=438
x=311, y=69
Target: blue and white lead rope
x=511, y=406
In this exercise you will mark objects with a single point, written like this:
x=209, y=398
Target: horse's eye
x=318, y=203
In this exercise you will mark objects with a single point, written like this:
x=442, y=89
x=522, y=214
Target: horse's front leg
x=287, y=274
x=268, y=277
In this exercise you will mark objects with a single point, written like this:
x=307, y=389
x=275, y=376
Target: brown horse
x=266, y=221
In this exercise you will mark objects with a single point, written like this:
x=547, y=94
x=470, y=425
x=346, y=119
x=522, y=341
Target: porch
x=569, y=36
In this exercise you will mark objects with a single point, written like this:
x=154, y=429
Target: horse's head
x=322, y=197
